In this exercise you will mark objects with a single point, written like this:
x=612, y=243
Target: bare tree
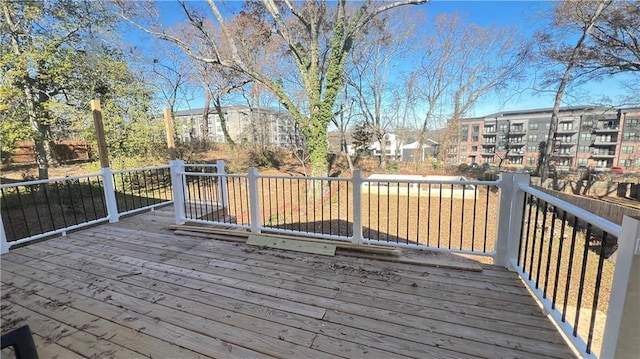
x=382, y=46
x=463, y=63
x=571, y=59
x=313, y=38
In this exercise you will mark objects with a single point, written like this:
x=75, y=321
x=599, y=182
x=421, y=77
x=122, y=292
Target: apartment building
x=586, y=136
x=244, y=125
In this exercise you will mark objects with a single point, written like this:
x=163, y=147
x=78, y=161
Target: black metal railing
x=142, y=188
x=438, y=215
x=35, y=209
x=306, y=204
x=563, y=258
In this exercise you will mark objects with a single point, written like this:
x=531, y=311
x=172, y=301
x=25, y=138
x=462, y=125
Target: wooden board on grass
x=292, y=245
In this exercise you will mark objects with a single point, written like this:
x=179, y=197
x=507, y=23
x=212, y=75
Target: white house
x=396, y=149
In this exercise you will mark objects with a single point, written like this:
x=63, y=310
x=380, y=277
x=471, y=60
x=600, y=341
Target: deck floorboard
x=134, y=289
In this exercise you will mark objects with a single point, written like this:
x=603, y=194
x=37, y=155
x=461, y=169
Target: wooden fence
x=610, y=211
x=65, y=151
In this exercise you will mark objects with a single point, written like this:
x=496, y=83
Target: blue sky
x=524, y=15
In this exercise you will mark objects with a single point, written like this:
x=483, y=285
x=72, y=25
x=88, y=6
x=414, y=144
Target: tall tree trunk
x=544, y=174
x=223, y=123
x=204, y=128
x=316, y=136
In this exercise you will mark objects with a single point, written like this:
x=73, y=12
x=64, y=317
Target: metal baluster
x=559, y=262
x=570, y=267
x=552, y=232
x=544, y=225
x=596, y=293
x=583, y=270
x=535, y=236
x=73, y=206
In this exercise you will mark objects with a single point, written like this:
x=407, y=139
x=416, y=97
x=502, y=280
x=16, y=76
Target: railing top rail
x=393, y=180
x=432, y=181
x=140, y=169
x=207, y=174
x=311, y=178
x=212, y=165
x=49, y=180
x=605, y=225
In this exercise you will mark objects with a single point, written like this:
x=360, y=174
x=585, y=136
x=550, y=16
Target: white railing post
x=110, y=195
x=178, y=189
x=4, y=245
x=222, y=188
x=515, y=226
x=356, y=181
x=254, y=200
x=622, y=327
x=507, y=194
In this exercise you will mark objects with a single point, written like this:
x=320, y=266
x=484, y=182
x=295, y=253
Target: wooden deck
x=134, y=289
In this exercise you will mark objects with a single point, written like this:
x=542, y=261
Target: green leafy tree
x=55, y=58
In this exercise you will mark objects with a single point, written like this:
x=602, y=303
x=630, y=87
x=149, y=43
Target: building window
x=583, y=149
x=474, y=138
x=533, y=138
x=582, y=161
x=476, y=128
x=474, y=148
x=632, y=122
x=504, y=127
x=629, y=136
x=463, y=148
x=625, y=163
x=531, y=160
x=627, y=149
x=585, y=136
x=567, y=126
x=534, y=126
x=547, y=126
x=463, y=158
x=532, y=148
x=464, y=133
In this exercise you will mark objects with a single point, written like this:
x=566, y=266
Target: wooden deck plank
x=292, y=245
x=353, y=284
x=427, y=288
x=442, y=278
x=153, y=326
x=117, y=294
x=78, y=341
x=41, y=301
x=201, y=296
x=447, y=315
x=298, y=291
x=412, y=299
x=454, y=330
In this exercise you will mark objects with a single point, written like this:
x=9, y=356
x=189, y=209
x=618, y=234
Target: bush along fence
x=563, y=253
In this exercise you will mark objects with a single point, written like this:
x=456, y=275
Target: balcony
x=514, y=133
x=515, y=154
x=134, y=288
x=603, y=154
x=564, y=154
x=605, y=142
x=605, y=129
